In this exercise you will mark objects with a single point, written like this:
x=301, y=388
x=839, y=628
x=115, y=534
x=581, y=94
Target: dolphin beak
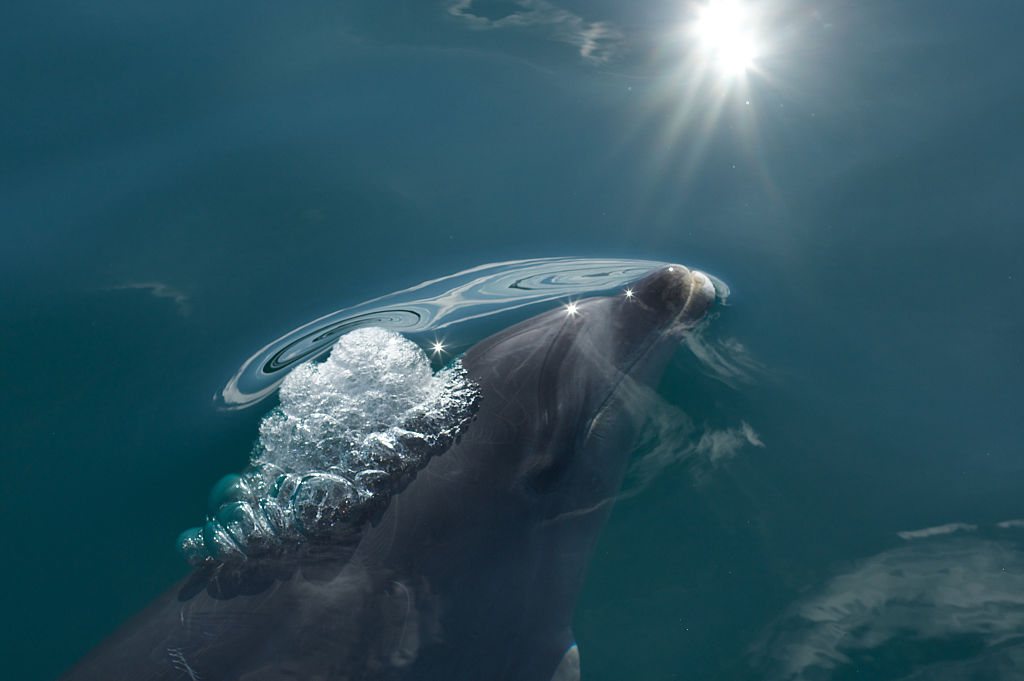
x=682, y=294
x=698, y=301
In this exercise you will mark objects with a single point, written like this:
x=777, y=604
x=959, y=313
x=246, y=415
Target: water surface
x=181, y=185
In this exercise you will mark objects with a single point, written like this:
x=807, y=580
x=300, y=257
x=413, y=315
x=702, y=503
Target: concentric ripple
x=431, y=306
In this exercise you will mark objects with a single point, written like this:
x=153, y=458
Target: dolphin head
x=570, y=383
x=628, y=334
x=639, y=329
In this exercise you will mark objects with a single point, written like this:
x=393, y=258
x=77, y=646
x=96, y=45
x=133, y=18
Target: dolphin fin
x=569, y=668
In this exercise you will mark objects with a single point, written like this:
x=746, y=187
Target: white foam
x=372, y=384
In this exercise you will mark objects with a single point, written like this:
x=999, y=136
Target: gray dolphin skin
x=473, y=568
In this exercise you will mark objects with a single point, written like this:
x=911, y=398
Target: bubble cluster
x=349, y=433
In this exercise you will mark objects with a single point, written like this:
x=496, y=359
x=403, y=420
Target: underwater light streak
x=711, y=58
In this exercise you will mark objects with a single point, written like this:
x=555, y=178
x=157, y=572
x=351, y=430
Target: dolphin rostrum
x=461, y=556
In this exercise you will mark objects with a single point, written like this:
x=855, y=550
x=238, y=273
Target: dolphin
x=472, y=569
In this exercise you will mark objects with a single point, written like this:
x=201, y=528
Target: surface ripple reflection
x=433, y=305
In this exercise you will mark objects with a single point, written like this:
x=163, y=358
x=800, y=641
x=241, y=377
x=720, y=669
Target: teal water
x=184, y=184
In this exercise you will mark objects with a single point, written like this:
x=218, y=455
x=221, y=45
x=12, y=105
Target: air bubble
x=228, y=489
x=323, y=503
x=192, y=546
x=219, y=544
x=240, y=522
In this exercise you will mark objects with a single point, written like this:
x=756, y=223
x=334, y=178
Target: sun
x=725, y=32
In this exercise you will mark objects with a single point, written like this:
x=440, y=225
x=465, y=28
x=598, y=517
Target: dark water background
x=181, y=183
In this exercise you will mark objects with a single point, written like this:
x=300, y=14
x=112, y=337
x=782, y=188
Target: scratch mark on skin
x=179, y=662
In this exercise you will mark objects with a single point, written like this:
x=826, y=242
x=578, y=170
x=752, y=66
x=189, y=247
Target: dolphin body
x=472, y=571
